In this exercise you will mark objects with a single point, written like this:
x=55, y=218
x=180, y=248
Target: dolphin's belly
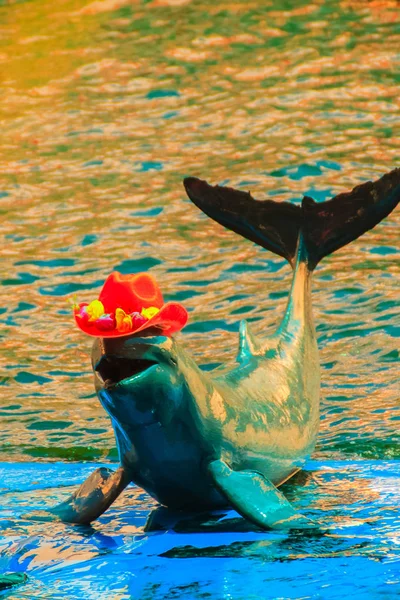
x=171, y=470
x=163, y=452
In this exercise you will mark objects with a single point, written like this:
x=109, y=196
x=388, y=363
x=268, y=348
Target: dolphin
x=198, y=440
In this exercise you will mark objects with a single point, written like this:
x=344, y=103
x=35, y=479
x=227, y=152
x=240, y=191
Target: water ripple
x=119, y=103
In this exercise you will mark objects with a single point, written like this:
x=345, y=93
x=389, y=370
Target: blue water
x=215, y=555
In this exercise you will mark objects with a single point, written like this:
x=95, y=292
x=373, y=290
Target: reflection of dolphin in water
x=193, y=440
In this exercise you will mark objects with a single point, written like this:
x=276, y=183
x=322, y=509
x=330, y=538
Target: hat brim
x=170, y=319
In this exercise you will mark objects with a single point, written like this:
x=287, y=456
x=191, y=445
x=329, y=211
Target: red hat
x=128, y=304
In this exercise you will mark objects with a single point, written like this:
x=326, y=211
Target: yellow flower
x=95, y=310
x=150, y=312
x=123, y=321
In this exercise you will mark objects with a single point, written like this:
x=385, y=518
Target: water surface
x=105, y=107
x=217, y=556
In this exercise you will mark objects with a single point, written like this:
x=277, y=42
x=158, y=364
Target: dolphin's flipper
x=93, y=497
x=256, y=498
x=11, y=579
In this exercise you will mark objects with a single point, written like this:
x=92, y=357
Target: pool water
x=106, y=106
x=356, y=551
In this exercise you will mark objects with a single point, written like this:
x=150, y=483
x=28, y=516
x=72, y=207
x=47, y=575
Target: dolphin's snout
x=118, y=359
x=113, y=369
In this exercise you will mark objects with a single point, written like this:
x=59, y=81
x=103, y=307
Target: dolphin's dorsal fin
x=248, y=345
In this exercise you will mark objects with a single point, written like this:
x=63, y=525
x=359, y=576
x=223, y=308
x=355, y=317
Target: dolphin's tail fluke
x=325, y=226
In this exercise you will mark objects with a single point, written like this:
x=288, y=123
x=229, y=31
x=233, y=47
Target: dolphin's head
x=138, y=379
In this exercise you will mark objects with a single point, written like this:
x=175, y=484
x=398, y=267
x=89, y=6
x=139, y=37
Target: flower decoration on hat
x=129, y=304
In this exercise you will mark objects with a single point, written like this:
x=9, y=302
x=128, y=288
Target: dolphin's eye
x=113, y=369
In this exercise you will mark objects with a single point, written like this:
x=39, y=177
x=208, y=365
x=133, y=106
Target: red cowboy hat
x=129, y=304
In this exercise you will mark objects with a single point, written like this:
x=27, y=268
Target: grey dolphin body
x=193, y=440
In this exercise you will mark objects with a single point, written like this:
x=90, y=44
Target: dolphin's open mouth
x=113, y=369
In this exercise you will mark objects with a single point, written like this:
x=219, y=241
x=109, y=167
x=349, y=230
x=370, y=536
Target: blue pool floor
x=355, y=554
